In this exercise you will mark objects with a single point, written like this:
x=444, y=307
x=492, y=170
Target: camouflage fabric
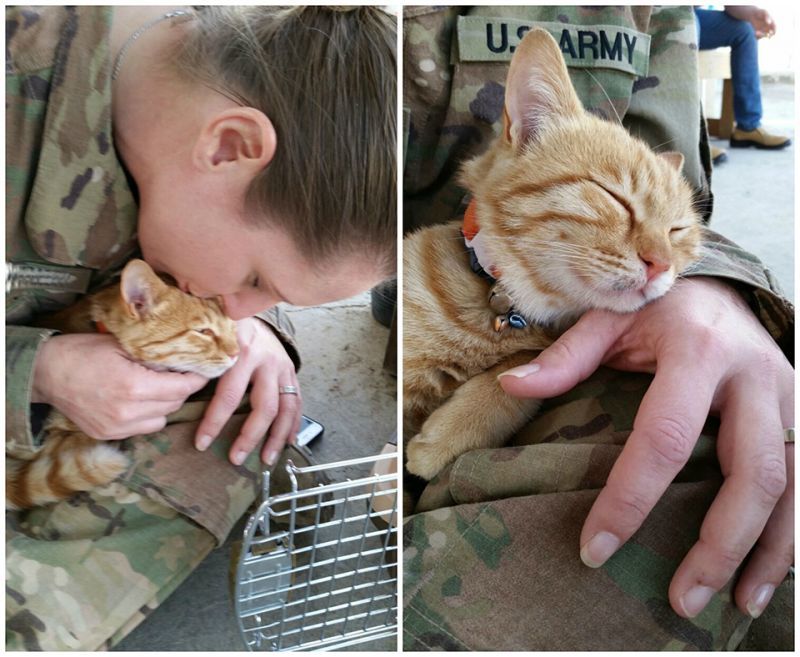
x=491, y=544
x=491, y=553
x=83, y=573
x=70, y=228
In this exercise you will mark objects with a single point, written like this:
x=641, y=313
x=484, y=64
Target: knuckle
x=119, y=415
x=229, y=399
x=130, y=388
x=562, y=350
x=248, y=441
x=630, y=509
x=245, y=350
x=709, y=342
x=670, y=441
x=157, y=425
x=190, y=386
x=726, y=559
x=767, y=366
x=769, y=478
x=270, y=408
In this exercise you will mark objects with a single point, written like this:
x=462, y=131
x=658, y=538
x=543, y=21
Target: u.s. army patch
x=487, y=39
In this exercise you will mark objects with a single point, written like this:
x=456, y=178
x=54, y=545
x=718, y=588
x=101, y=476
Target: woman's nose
x=237, y=307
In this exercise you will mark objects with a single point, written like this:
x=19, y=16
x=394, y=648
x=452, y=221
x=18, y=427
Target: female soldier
x=249, y=154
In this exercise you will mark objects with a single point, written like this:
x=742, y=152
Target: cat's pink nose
x=653, y=265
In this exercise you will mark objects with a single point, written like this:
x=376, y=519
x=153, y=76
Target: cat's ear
x=140, y=288
x=674, y=158
x=538, y=88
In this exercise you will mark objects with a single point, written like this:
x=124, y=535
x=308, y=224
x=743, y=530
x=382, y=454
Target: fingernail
x=272, y=458
x=598, y=549
x=695, y=600
x=239, y=457
x=760, y=599
x=203, y=442
x=522, y=371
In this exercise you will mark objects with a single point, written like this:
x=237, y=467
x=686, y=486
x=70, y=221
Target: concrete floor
x=754, y=190
x=345, y=388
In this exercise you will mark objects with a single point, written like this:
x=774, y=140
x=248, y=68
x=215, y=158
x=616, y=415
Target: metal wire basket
x=317, y=570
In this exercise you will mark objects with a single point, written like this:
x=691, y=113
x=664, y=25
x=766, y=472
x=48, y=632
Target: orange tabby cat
x=158, y=326
x=569, y=213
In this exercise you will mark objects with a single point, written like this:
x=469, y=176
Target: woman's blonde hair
x=326, y=77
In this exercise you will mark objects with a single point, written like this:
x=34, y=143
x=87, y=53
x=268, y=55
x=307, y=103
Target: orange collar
x=470, y=227
x=481, y=264
x=100, y=327
x=480, y=261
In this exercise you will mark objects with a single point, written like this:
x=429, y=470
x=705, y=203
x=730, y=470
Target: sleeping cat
x=569, y=212
x=158, y=326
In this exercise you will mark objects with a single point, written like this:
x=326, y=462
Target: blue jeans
x=715, y=29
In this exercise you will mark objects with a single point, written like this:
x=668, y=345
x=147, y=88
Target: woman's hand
x=264, y=361
x=89, y=379
x=709, y=353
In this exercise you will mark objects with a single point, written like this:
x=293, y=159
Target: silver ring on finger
x=788, y=435
x=287, y=390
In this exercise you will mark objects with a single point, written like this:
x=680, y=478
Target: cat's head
x=166, y=329
x=577, y=213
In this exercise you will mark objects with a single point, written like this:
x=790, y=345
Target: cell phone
x=309, y=429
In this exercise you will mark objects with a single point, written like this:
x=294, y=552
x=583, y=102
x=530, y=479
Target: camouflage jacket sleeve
x=636, y=63
x=22, y=344
x=282, y=326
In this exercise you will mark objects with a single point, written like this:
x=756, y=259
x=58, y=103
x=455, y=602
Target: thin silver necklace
x=133, y=37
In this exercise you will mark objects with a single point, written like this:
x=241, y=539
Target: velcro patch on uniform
x=486, y=39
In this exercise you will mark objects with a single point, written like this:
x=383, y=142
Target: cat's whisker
x=664, y=143
x=589, y=73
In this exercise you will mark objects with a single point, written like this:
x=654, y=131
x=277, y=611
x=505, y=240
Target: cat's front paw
x=426, y=456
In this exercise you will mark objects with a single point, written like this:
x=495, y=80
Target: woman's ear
x=237, y=139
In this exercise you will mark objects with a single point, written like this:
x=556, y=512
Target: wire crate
x=317, y=570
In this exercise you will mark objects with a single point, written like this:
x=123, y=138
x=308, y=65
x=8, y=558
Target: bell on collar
x=499, y=302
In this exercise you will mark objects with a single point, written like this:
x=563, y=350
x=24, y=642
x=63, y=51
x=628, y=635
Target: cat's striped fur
x=157, y=325
x=575, y=213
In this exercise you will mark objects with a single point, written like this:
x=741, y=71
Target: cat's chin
x=213, y=371
x=208, y=370
x=628, y=301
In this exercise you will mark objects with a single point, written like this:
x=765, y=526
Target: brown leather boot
x=718, y=155
x=759, y=138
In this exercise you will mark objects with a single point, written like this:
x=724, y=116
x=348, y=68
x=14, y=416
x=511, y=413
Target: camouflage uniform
x=491, y=552
x=84, y=572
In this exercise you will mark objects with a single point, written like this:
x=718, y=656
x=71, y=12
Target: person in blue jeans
x=740, y=27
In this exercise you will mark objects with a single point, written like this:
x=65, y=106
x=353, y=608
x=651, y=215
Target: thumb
x=570, y=359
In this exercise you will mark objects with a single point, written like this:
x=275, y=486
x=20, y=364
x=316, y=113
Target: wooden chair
x=716, y=65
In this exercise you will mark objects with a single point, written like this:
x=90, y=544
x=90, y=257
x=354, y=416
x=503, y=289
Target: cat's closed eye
x=207, y=332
